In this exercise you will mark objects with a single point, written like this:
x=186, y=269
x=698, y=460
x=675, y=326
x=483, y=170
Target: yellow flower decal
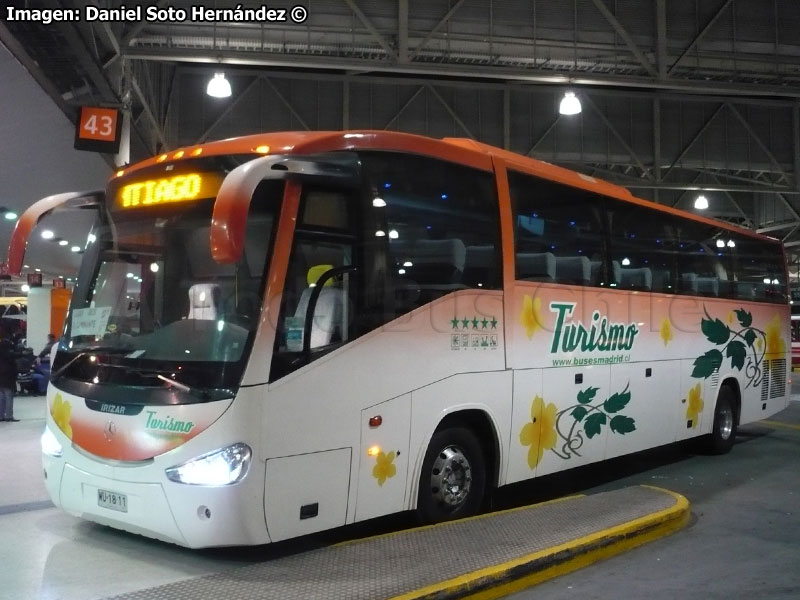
x=775, y=344
x=540, y=433
x=731, y=317
x=695, y=405
x=666, y=331
x=61, y=411
x=531, y=317
x=384, y=469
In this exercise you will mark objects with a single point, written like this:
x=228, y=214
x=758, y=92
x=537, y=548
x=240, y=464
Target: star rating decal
x=474, y=323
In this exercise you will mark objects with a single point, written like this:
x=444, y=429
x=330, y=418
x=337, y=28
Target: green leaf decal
x=704, y=365
x=579, y=412
x=745, y=318
x=587, y=395
x=736, y=352
x=622, y=424
x=616, y=402
x=593, y=424
x=715, y=331
x=750, y=337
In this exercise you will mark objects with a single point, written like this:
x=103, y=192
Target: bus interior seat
x=708, y=286
x=204, y=301
x=640, y=278
x=481, y=265
x=743, y=290
x=573, y=269
x=595, y=271
x=689, y=282
x=662, y=280
x=327, y=319
x=536, y=266
x=632, y=278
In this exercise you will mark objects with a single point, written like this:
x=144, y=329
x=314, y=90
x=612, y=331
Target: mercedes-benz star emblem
x=110, y=430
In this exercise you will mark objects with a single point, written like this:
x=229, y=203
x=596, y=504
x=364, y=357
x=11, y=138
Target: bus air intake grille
x=765, y=382
x=777, y=379
x=715, y=379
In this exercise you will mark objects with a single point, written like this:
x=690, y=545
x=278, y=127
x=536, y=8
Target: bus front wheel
x=453, y=478
x=723, y=434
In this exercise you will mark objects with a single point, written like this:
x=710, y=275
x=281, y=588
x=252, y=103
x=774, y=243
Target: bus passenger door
x=383, y=468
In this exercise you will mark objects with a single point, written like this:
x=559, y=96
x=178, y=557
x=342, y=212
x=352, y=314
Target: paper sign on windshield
x=90, y=321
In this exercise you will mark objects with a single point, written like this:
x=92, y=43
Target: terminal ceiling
x=678, y=96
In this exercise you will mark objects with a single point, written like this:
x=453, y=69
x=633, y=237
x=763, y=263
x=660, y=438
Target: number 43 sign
x=98, y=129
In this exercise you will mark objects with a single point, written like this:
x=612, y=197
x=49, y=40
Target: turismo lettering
x=600, y=336
x=167, y=424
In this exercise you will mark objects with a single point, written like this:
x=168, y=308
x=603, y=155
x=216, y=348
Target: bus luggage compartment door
x=306, y=493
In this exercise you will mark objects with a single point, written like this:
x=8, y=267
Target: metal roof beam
x=371, y=28
x=452, y=112
x=700, y=35
x=694, y=139
x=601, y=6
x=421, y=46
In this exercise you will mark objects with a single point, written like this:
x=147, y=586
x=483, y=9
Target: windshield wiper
x=90, y=350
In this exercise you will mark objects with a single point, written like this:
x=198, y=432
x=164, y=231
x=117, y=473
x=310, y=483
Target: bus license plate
x=112, y=500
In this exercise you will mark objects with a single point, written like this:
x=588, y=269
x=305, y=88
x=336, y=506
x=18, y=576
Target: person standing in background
x=8, y=380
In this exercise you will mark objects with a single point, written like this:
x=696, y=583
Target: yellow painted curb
x=515, y=575
x=778, y=424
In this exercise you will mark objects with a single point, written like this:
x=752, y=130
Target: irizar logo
x=601, y=336
x=168, y=424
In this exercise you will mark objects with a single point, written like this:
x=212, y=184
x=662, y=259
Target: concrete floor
x=744, y=540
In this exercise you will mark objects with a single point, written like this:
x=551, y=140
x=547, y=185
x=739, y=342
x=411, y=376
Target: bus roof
x=460, y=150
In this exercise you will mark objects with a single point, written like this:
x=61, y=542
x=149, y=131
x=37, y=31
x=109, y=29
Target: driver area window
x=320, y=273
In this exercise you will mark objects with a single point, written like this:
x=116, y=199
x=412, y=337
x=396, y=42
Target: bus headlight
x=50, y=445
x=221, y=467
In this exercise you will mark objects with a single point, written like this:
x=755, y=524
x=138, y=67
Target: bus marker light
x=375, y=421
x=197, y=152
x=178, y=154
x=263, y=149
x=161, y=158
x=373, y=450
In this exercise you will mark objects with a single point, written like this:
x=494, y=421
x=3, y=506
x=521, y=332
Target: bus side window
x=436, y=223
x=558, y=232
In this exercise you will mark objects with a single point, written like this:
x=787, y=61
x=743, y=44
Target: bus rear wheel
x=723, y=434
x=453, y=478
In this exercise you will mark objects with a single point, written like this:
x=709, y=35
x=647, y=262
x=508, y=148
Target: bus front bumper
x=187, y=515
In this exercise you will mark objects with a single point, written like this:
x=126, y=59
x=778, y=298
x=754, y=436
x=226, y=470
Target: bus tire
x=452, y=482
x=723, y=434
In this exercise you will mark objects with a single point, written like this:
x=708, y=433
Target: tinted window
x=645, y=247
x=558, y=232
x=439, y=223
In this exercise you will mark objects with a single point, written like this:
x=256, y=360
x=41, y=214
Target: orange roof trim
x=460, y=150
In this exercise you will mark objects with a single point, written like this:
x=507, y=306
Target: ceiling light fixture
x=701, y=203
x=47, y=234
x=218, y=86
x=10, y=215
x=570, y=105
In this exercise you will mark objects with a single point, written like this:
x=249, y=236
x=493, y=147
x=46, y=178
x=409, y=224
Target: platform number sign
x=98, y=129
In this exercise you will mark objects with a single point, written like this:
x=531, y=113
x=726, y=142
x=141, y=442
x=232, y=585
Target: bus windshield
x=151, y=304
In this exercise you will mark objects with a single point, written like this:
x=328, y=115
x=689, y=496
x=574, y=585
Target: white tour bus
x=284, y=333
